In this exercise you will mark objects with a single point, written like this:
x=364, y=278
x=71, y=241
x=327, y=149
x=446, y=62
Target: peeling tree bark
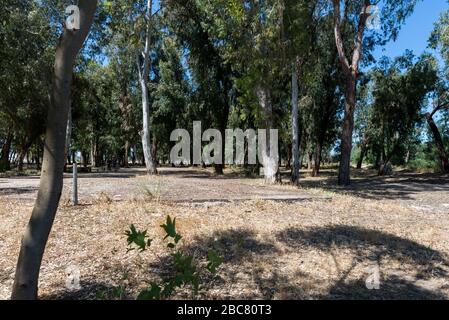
x=36, y=234
x=270, y=161
x=143, y=64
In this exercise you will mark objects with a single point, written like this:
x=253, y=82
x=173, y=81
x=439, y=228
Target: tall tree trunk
x=38, y=154
x=84, y=158
x=407, y=157
x=134, y=155
x=68, y=137
x=26, y=145
x=310, y=161
x=288, y=163
x=125, y=158
x=346, y=136
x=295, y=125
x=219, y=168
x=146, y=140
x=439, y=143
x=223, y=80
x=362, y=156
x=350, y=69
x=6, y=149
x=317, y=165
x=386, y=158
x=93, y=153
x=270, y=159
x=144, y=74
x=154, y=148
x=36, y=235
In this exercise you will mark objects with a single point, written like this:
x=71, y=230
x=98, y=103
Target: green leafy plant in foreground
x=185, y=271
x=137, y=238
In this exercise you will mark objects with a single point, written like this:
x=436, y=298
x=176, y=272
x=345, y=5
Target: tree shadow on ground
x=243, y=250
x=365, y=185
x=392, y=288
x=234, y=246
x=373, y=245
x=368, y=244
x=17, y=191
x=89, y=290
x=236, y=173
x=103, y=175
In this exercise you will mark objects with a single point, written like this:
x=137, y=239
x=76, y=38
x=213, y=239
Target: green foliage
x=154, y=292
x=137, y=238
x=185, y=273
x=391, y=116
x=170, y=230
x=214, y=261
x=117, y=293
x=420, y=164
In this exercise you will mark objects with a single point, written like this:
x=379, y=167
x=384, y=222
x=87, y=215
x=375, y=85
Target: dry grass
x=275, y=250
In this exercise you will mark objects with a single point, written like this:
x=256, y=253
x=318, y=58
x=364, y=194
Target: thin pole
x=75, y=184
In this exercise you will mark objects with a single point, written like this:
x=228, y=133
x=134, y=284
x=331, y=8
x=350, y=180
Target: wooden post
x=75, y=184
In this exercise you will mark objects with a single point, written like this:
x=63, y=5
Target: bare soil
x=318, y=241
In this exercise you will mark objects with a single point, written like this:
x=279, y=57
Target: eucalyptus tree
x=322, y=94
x=253, y=34
x=440, y=40
x=370, y=23
x=265, y=47
x=362, y=125
x=171, y=94
x=50, y=188
x=299, y=26
x=143, y=67
x=134, y=20
x=123, y=68
x=27, y=42
x=400, y=92
x=202, y=31
x=439, y=143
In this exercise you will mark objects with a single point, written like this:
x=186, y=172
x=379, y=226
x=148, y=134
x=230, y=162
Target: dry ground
x=279, y=242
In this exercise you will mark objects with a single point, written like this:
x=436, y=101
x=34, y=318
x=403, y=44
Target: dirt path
x=175, y=185
x=425, y=192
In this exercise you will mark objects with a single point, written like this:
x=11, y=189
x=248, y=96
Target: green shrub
x=185, y=272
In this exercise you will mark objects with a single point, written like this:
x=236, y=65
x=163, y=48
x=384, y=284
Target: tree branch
x=359, y=39
x=338, y=38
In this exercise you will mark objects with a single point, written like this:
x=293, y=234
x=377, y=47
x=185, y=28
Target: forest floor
x=318, y=241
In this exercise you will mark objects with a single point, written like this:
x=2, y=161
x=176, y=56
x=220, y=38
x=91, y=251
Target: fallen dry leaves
x=322, y=248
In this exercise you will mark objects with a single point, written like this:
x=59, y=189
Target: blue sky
x=416, y=30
